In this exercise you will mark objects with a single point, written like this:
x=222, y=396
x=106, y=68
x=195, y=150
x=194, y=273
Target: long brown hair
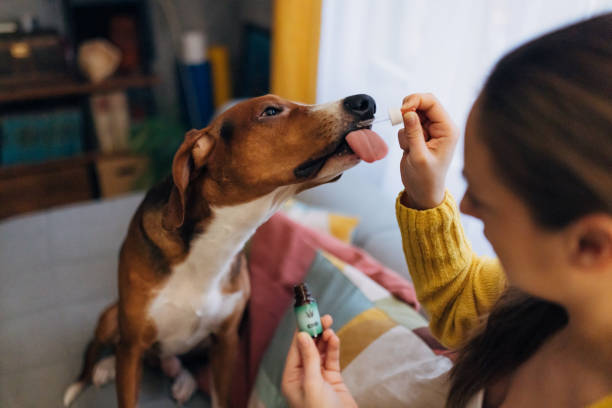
x=546, y=118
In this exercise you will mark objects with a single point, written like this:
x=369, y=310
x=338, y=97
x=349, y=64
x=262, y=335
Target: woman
x=538, y=163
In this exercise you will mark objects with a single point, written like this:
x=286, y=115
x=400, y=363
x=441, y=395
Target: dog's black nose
x=361, y=105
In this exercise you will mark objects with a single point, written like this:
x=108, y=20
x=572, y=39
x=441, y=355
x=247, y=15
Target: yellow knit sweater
x=455, y=286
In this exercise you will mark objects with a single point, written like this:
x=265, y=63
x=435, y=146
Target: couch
x=60, y=269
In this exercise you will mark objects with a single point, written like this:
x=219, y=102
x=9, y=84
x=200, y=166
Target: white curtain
x=392, y=48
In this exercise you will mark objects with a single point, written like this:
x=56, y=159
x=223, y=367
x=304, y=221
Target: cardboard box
x=120, y=174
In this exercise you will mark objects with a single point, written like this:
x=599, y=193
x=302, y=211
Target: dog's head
x=262, y=144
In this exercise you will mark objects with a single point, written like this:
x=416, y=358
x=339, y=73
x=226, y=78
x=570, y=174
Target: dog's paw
x=72, y=391
x=183, y=387
x=171, y=366
x=104, y=371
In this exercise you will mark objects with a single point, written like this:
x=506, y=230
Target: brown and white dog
x=182, y=281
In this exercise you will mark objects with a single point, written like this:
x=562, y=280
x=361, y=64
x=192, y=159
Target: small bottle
x=307, y=311
x=394, y=116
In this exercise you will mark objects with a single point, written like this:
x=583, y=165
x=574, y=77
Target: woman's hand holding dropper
x=428, y=140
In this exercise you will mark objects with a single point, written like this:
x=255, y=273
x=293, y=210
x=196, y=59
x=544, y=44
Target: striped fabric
x=337, y=225
x=385, y=360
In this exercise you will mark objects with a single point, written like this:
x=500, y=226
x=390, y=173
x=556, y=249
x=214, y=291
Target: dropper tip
x=395, y=116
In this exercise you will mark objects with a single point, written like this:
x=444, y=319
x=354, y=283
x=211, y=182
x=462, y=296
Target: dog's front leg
x=225, y=349
x=223, y=357
x=129, y=369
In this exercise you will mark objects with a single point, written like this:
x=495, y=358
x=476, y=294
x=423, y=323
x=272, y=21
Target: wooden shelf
x=38, y=186
x=73, y=87
x=27, y=169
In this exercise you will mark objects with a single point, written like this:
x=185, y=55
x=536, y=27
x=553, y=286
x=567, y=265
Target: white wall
x=392, y=48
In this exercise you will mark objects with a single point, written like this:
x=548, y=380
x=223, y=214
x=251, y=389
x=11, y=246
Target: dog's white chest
x=186, y=312
x=191, y=304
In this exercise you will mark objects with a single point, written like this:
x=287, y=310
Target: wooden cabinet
x=29, y=187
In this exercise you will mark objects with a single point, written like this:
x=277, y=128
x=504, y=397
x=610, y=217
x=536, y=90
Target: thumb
x=411, y=138
x=310, y=357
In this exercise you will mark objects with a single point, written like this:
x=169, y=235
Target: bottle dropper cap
x=302, y=294
x=395, y=116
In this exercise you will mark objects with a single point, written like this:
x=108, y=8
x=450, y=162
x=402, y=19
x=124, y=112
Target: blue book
x=195, y=91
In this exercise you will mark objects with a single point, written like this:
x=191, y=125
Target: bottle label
x=308, y=319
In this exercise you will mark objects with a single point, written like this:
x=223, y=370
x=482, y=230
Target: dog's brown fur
x=240, y=157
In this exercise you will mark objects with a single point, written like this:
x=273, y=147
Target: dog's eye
x=271, y=111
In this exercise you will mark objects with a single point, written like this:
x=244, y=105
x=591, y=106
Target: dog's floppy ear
x=190, y=157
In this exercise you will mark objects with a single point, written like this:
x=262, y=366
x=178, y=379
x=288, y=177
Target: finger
x=332, y=354
x=310, y=357
x=293, y=360
x=429, y=104
x=412, y=139
x=327, y=321
x=325, y=336
x=403, y=142
x=292, y=374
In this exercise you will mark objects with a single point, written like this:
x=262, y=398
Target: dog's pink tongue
x=367, y=145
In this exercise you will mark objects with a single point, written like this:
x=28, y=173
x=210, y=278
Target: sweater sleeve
x=455, y=286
